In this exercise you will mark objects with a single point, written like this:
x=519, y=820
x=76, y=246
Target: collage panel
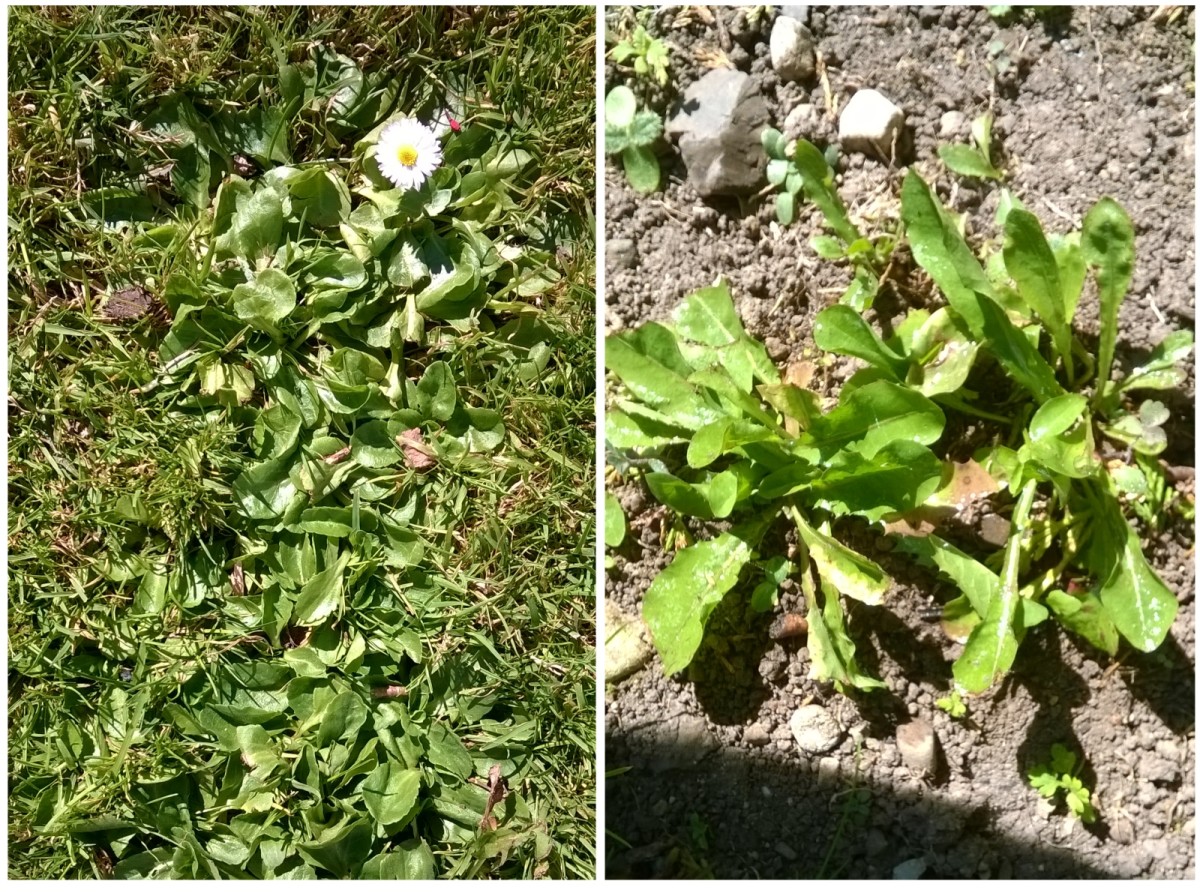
x=899, y=442
x=301, y=427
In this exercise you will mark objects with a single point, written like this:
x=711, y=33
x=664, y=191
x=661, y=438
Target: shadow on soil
x=696, y=809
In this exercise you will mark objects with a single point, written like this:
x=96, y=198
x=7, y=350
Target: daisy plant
x=408, y=152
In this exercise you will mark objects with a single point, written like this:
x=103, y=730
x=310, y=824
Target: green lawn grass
x=163, y=720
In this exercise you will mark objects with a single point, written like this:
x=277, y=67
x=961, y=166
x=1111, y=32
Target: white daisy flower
x=407, y=152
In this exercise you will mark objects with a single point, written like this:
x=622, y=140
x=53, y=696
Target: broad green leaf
x=722, y=436
x=1107, y=243
x=860, y=293
x=642, y=168
x=709, y=317
x=942, y=355
x=410, y=860
x=614, y=522
x=713, y=499
x=785, y=208
x=1032, y=265
x=319, y=198
x=977, y=583
x=1164, y=369
x=335, y=270
x=850, y=573
x=454, y=279
x=330, y=521
x=1138, y=602
x=872, y=417
x=649, y=364
x=992, y=646
x=322, y=595
x=265, y=491
x=267, y=300
x=620, y=105
x=372, y=447
x=774, y=143
x=406, y=268
x=638, y=431
x=1143, y=431
x=257, y=750
x=795, y=403
x=437, y=393
x=255, y=228
x=1072, y=454
x=191, y=174
x=830, y=649
x=1056, y=416
x=1015, y=353
x=447, y=752
x=746, y=361
x=342, y=719
x=819, y=186
x=1086, y=616
x=681, y=598
x=305, y=662
x=828, y=247
x=941, y=251
x=390, y=792
x=900, y=477
x=777, y=171
x=1072, y=271
x=339, y=849
x=839, y=329
x=967, y=161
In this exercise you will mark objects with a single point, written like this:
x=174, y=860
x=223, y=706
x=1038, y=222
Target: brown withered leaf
x=921, y=521
x=968, y=483
x=497, y=790
x=800, y=373
x=416, y=453
x=237, y=579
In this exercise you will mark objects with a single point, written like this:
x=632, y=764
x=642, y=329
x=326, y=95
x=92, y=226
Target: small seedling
x=953, y=704
x=973, y=161
x=631, y=134
x=1061, y=776
x=649, y=55
x=806, y=169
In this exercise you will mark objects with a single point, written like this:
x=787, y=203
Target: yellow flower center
x=407, y=155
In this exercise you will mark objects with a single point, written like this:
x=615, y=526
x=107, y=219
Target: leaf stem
x=962, y=406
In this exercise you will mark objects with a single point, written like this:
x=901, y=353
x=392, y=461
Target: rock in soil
x=792, y=54
x=815, y=729
x=918, y=746
x=719, y=128
x=871, y=124
x=627, y=645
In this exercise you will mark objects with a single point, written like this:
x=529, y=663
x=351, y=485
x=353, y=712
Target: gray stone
x=719, y=128
x=792, y=54
x=756, y=735
x=620, y=254
x=952, y=123
x=909, y=870
x=918, y=746
x=870, y=123
x=828, y=769
x=815, y=729
x=801, y=12
x=627, y=645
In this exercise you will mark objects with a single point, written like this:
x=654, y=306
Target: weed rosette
x=308, y=676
